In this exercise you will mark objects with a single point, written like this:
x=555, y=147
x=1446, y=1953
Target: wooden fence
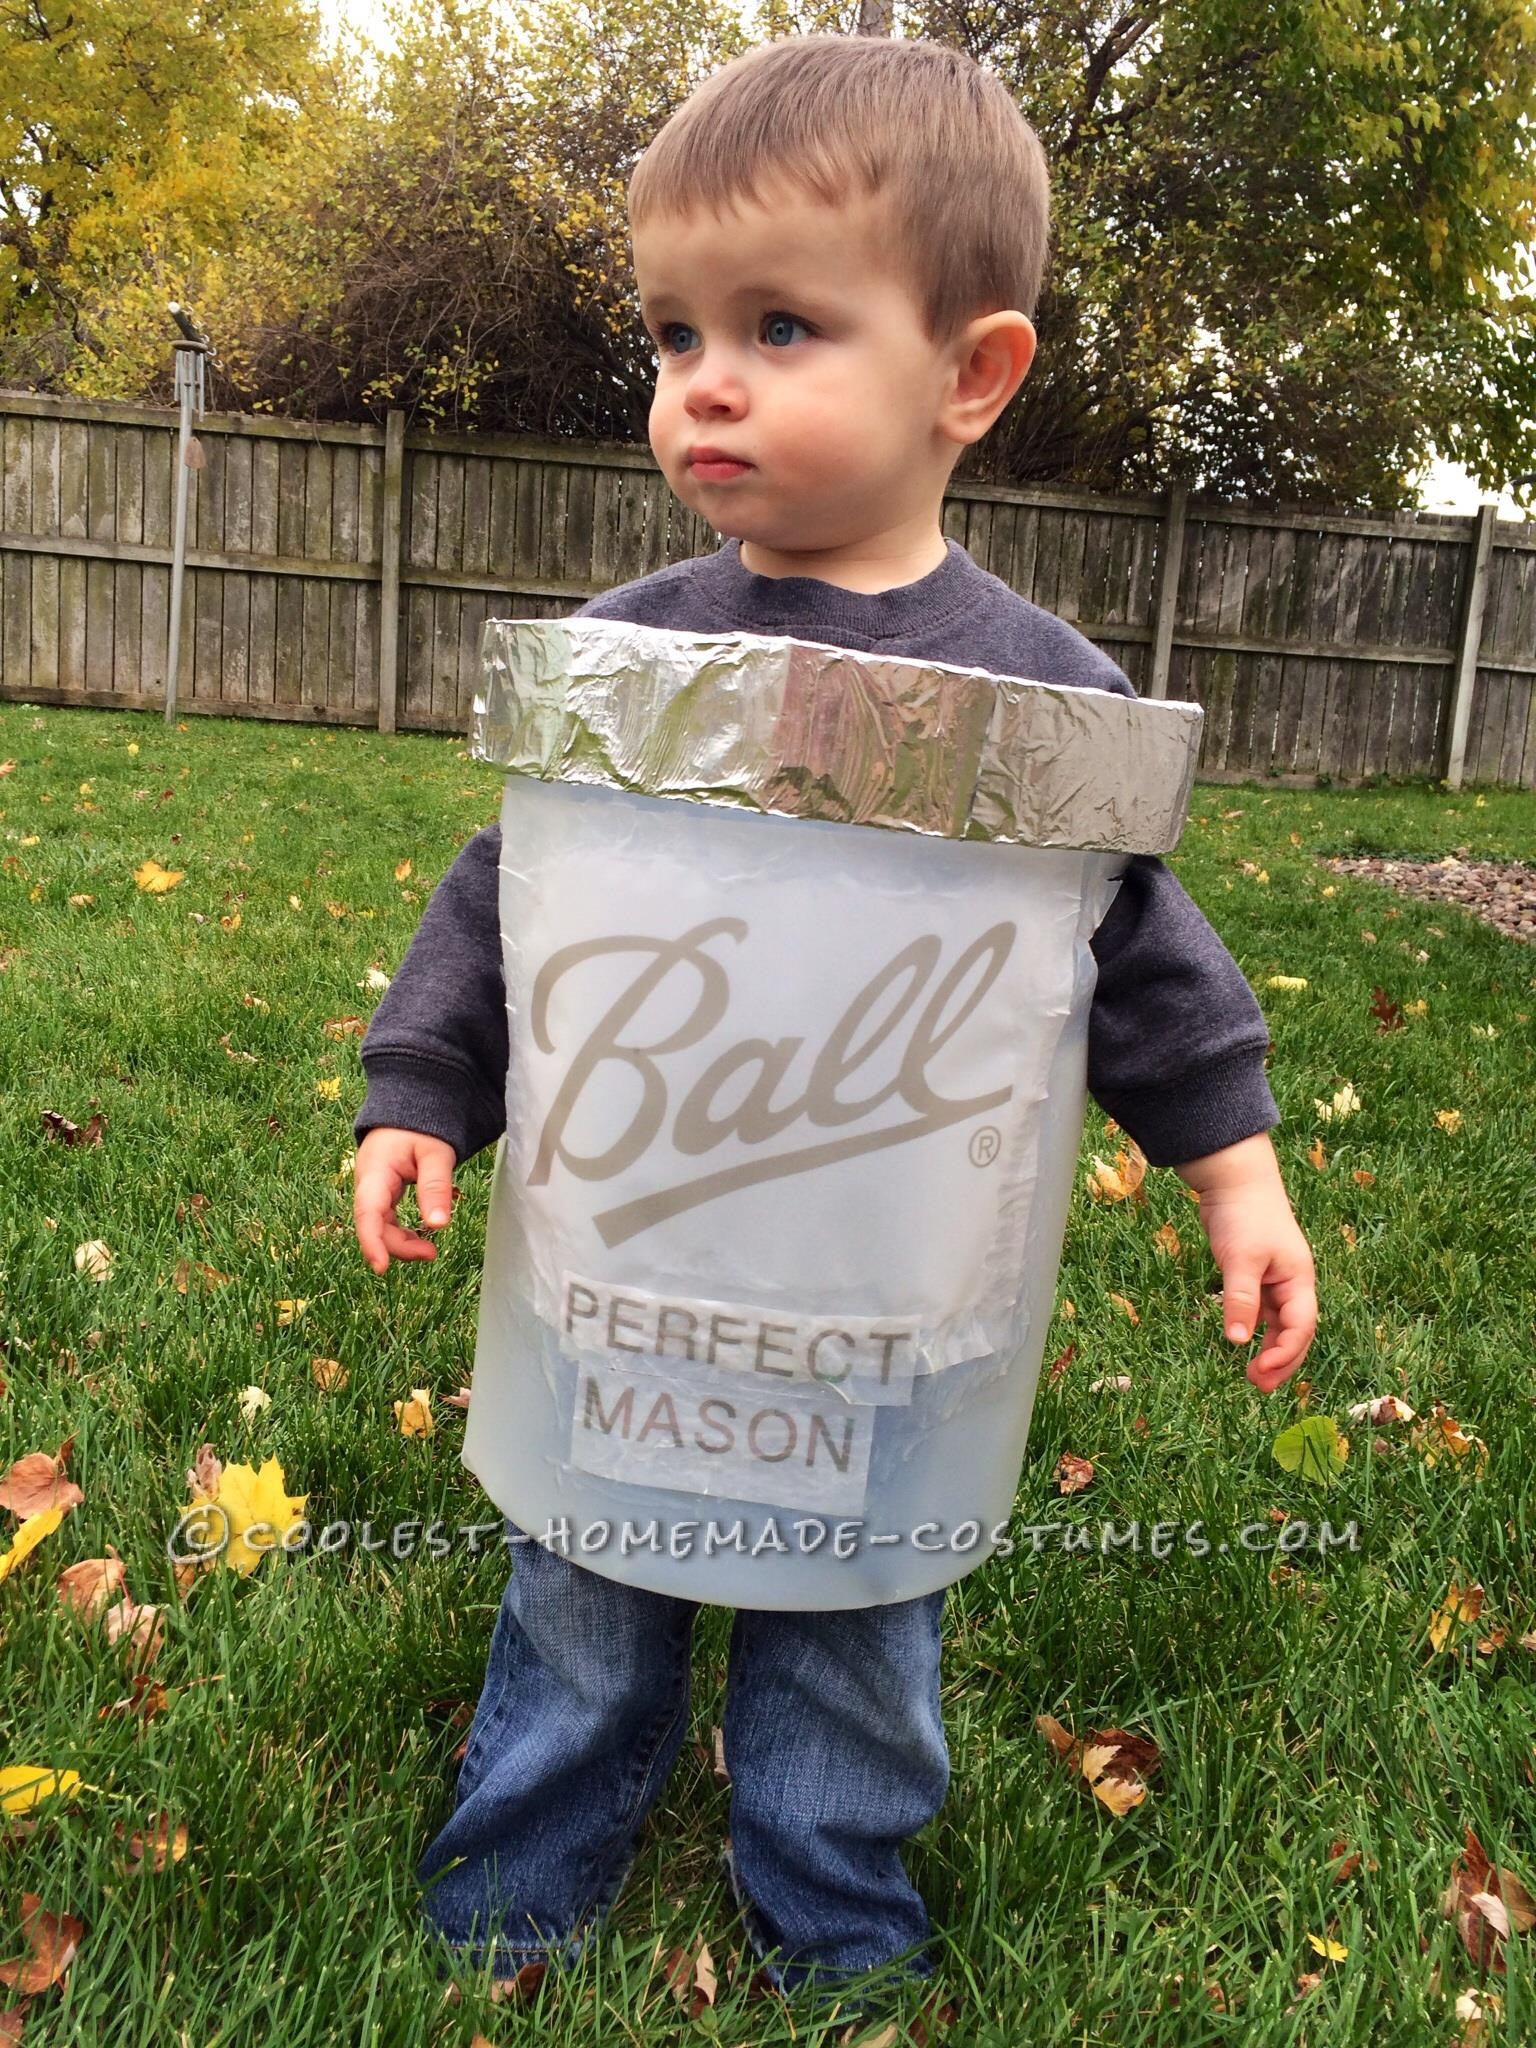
x=341, y=575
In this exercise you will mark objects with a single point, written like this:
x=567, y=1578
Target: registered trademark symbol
x=985, y=1145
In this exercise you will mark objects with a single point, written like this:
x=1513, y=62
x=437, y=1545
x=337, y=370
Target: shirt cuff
x=1201, y=1111
x=408, y=1093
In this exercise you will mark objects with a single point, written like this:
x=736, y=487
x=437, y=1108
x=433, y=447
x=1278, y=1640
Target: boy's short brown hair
x=937, y=141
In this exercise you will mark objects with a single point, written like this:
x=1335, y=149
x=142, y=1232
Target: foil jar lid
x=769, y=723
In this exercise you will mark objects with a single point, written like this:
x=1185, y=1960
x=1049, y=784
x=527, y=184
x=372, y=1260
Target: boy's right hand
x=387, y=1162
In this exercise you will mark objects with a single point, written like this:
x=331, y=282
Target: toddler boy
x=838, y=242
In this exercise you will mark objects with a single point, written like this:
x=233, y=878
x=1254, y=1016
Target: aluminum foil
x=769, y=723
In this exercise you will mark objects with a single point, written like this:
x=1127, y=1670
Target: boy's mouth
x=714, y=464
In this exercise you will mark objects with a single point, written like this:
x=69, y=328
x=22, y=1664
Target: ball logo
x=780, y=1111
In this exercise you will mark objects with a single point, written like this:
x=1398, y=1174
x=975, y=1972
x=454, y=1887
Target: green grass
x=308, y=1739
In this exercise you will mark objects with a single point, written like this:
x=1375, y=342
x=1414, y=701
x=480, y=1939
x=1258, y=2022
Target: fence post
x=1170, y=558
x=389, y=568
x=1468, y=641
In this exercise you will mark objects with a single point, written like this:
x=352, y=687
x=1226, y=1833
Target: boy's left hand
x=1267, y=1272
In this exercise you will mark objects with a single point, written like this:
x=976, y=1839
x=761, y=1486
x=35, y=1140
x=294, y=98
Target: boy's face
x=786, y=339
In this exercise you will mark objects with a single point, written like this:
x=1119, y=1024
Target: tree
x=134, y=135
x=1292, y=243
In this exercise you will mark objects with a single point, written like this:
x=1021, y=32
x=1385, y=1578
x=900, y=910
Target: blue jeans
x=833, y=1739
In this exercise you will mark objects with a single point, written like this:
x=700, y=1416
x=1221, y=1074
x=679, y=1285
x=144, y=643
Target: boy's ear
x=992, y=358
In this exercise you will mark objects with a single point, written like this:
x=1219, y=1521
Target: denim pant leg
x=582, y=1714
x=834, y=1741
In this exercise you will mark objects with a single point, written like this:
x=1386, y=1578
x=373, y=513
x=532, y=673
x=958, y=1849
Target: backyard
x=195, y=924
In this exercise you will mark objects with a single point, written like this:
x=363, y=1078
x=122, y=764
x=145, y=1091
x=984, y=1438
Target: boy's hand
x=1266, y=1263
x=387, y=1162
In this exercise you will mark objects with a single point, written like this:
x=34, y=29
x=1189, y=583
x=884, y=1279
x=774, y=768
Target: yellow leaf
x=76, y=902
x=133, y=748
x=1166, y=1240
x=1317, y=1155
x=30, y=840
x=402, y=872
x=294, y=903
x=330, y=1089
x=1335, y=1951
x=1461, y=1607
x=232, y=922
x=1331, y=890
x=254, y=1514
x=28, y=1536
x=1120, y=1302
x=290, y=1311
x=1286, y=981
x=329, y=1374
x=23, y=1786
x=1118, y=1182
x=338, y=909
x=155, y=880
x=415, y=1416
x=1448, y=1119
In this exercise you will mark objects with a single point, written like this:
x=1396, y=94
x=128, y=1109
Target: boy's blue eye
x=770, y=320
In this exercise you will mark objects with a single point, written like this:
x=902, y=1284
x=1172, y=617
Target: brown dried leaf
x=691, y=1978
x=1487, y=1905
x=66, y=1133
x=1060, y=1363
x=1073, y=1473
x=89, y=1586
x=37, y=1481
x=51, y=1939
x=141, y=1629
x=161, y=1844
x=328, y=1374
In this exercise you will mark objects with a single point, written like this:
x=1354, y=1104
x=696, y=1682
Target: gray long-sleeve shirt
x=1176, y=1039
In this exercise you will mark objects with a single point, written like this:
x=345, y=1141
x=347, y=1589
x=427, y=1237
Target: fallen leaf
x=206, y=1277
x=344, y=1027
x=1388, y=1014
x=52, y=1940
x=403, y=871
x=163, y=1843
x=1073, y=1473
x=330, y=1089
x=1334, y=1951
x=1286, y=981
x=36, y=1482
x=66, y=1133
x=27, y=1539
x=1118, y=1182
x=256, y=1514
x=458, y=1400
x=1113, y=1762
x=1314, y=1448
x=289, y=1311
x=146, y=1698
x=691, y=1979
x=231, y=923
x=328, y=1374
x=1345, y=1102
x=141, y=1628
x=24, y=1787
x=1441, y=1432
x=252, y=1401
x=1317, y=1155
x=89, y=1587
x=1448, y=1119
x=155, y=880
x=1059, y=1364
x=376, y=981
x=1461, y=1607
x=93, y=1259
x=1166, y=1240
x=1116, y=1383
x=1383, y=1408
x=415, y=1416
x=1487, y=1904
x=1121, y=1303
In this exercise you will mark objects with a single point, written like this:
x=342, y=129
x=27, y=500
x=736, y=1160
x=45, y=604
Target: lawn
x=311, y=1710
